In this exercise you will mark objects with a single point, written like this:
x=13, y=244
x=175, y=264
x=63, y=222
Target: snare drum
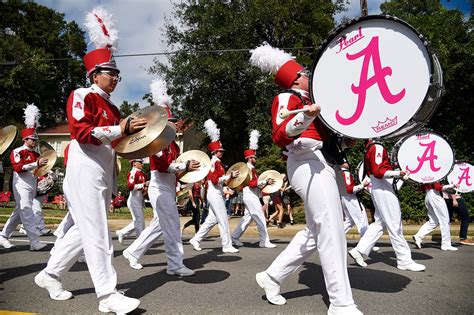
x=427, y=155
x=368, y=188
x=376, y=77
x=462, y=175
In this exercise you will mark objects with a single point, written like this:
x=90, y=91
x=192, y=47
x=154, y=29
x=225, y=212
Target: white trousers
x=354, y=214
x=315, y=182
x=24, y=194
x=135, y=205
x=88, y=192
x=387, y=215
x=217, y=215
x=38, y=212
x=438, y=215
x=253, y=211
x=162, y=193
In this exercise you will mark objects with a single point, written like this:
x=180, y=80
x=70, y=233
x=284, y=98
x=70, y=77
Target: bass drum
x=376, y=78
x=368, y=188
x=427, y=155
x=462, y=174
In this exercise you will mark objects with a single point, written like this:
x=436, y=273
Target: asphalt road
x=225, y=283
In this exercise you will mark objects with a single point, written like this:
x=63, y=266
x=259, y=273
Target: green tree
x=223, y=85
x=39, y=61
x=126, y=108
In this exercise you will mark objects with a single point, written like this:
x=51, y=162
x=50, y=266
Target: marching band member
x=90, y=175
x=387, y=210
x=438, y=215
x=313, y=179
x=215, y=194
x=162, y=193
x=353, y=210
x=136, y=183
x=253, y=207
x=25, y=161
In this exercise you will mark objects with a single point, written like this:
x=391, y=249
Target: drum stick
x=284, y=113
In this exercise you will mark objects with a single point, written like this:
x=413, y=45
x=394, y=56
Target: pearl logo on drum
x=345, y=43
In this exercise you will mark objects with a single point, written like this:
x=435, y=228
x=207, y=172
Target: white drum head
x=427, y=156
x=371, y=78
x=462, y=175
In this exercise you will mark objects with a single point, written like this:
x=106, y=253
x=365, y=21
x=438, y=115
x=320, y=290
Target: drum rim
x=424, y=129
x=343, y=26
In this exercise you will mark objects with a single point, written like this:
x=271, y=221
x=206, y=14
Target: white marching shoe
x=449, y=248
x=45, y=232
x=119, y=236
x=267, y=245
x=182, y=272
x=195, y=244
x=132, y=261
x=5, y=243
x=36, y=245
x=118, y=303
x=417, y=241
x=230, y=249
x=272, y=289
x=21, y=230
x=344, y=310
x=412, y=267
x=354, y=253
x=375, y=249
x=54, y=287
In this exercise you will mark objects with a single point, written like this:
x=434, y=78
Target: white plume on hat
x=211, y=130
x=32, y=116
x=269, y=59
x=100, y=26
x=159, y=93
x=254, y=135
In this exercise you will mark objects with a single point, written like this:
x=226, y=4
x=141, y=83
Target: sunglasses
x=114, y=75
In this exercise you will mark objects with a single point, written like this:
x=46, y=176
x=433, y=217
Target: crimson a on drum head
x=462, y=174
x=376, y=77
x=428, y=156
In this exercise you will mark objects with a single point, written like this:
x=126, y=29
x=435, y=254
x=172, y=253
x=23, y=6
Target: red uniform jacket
x=376, y=160
x=253, y=178
x=22, y=156
x=435, y=185
x=135, y=178
x=163, y=162
x=349, y=181
x=216, y=172
x=317, y=130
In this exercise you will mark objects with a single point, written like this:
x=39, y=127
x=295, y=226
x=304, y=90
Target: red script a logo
x=465, y=176
x=428, y=155
x=370, y=52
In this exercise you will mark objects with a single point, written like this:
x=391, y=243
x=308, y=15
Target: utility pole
x=363, y=8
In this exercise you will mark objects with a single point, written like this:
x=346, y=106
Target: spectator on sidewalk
x=455, y=203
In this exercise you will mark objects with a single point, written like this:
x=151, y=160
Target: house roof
x=60, y=128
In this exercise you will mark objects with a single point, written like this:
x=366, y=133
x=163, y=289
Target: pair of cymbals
x=7, y=137
x=157, y=134
x=201, y=173
x=46, y=151
x=276, y=176
x=238, y=183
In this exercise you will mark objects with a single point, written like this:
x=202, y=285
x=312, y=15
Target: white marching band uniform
x=353, y=209
x=253, y=211
x=218, y=212
x=135, y=202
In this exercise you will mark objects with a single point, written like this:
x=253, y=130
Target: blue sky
x=140, y=24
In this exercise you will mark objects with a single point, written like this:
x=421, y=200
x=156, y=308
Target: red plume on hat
x=253, y=145
x=159, y=93
x=214, y=133
x=277, y=62
x=100, y=27
x=32, y=116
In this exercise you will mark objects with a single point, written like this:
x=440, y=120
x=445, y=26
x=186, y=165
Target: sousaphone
x=156, y=135
x=46, y=151
x=243, y=179
x=201, y=173
x=7, y=137
x=276, y=176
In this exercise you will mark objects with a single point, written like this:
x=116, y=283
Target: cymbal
x=46, y=151
x=204, y=169
x=118, y=165
x=242, y=180
x=269, y=189
x=156, y=136
x=182, y=194
x=7, y=137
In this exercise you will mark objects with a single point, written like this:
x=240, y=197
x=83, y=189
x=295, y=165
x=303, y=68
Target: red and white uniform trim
x=377, y=163
x=135, y=184
x=352, y=208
